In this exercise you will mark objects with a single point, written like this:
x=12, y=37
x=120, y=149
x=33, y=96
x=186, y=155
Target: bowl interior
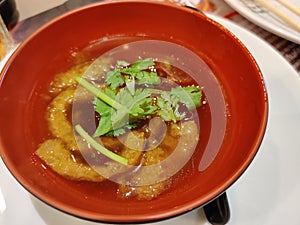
x=224, y=151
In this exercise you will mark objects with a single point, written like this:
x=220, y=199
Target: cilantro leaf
x=122, y=130
x=143, y=64
x=139, y=107
x=104, y=125
x=135, y=108
x=105, y=111
x=122, y=63
x=114, y=79
x=148, y=78
x=189, y=95
x=138, y=104
x=169, y=107
x=139, y=70
x=169, y=102
x=130, y=84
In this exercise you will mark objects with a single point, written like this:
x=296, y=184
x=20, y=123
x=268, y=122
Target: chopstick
x=288, y=20
x=290, y=6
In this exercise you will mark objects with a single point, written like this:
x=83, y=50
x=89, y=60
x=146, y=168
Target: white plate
x=249, y=10
x=267, y=194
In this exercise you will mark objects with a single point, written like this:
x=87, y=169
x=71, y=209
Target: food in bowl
x=230, y=125
x=142, y=117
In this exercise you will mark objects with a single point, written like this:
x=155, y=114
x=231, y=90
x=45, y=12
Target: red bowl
x=230, y=137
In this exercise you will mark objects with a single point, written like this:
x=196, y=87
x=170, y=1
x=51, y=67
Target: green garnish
x=169, y=107
x=99, y=147
x=189, y=95
x=128, y=95
x=139, y=71
x=169, y=101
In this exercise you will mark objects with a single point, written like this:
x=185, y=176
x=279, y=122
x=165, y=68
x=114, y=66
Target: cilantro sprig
x=129, y=97
x=126, y=99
